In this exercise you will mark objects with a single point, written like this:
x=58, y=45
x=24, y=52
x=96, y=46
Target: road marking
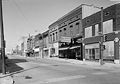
x=62, y=79
x=99, y=73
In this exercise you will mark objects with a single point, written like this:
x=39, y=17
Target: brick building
x=45, y=44
x=41, y=45
x=37, y=45
x=23, y=46
x=111, y=27
x=30, y=46
x=65, y=32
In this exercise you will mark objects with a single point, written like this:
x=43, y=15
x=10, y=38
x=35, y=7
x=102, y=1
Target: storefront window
x=92, y=51
x=108, y=53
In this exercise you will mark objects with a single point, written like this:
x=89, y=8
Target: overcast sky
x=22, y=17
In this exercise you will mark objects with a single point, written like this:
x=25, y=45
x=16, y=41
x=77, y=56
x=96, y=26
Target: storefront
x=92, y=51
x=46, y=52
x=36, y=52
x=108, y=53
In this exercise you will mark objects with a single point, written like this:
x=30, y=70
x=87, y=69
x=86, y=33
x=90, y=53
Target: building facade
x=24, y=46
x=37, y=44
x=66, y=31
x=30, y=46
x=45, y=44
x=92, y=38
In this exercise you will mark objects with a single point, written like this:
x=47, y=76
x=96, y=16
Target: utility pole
x=2, y=40
x=102, y=37
x=100, y=33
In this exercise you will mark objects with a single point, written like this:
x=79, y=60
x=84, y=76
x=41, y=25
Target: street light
x=100, y=33
x=2, y=40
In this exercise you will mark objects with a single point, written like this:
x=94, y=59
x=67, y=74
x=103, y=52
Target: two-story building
x=30, y=45
x=37, y=44
x=45, y=44
x=111, y=27
x=65, y=32
x=23, y=46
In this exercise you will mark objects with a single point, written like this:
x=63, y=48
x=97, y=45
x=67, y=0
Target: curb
x=6, y=79
x=92, y=64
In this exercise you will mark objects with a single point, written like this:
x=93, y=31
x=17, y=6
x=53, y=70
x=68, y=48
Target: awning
x=90, y=46
x=45, y=48
x=74, y=47
x=36, y=50
x=63, y=48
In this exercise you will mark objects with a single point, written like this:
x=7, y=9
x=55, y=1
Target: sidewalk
x=88, y=63
x=91, y=64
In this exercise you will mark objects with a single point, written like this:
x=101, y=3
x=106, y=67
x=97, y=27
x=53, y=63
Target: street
x=46, y=71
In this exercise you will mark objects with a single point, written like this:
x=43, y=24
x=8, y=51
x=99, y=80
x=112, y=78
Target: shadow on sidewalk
x=11, y=65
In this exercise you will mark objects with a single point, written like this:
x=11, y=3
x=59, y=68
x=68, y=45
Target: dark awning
x=74, y=47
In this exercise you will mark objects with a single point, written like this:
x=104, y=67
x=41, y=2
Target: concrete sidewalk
x=89, y=63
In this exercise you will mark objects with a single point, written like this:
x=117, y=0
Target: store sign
x=65, y=39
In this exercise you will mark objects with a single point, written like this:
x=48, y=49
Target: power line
x=23, y=15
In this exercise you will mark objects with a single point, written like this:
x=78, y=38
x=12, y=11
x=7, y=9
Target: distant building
x=46, y=52
x=30, y=46
x=24, y=46
x=41, y=45
x=37, y=45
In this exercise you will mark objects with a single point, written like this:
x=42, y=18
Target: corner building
x=111, y=26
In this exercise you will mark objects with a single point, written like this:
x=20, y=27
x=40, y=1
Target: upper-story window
x=50, y=38
x=77, y=28
x=71, y=26
x=88, y=32
x=96, y=30
x=64, y=29
x=53, y=37
x=56, y=36
x=107, y=26
x=71, y=30
x=60, y=31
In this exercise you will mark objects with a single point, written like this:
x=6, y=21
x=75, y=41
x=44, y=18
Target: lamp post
x=2, y=40
x=100, y=33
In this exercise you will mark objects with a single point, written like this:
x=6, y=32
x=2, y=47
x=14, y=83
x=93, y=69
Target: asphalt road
x=46, y=71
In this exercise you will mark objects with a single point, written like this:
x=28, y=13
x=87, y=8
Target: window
x=53, y=37
x=109, y=49
x=88, y=32
x=77, y=28
x=71, y=26
x=88, y=21
x=92, y=51
x=50, y=38
x=107, y=13
x=96, y=30
x=64, y=29
x=60, y=31
x=56, y=36
x=108, y=26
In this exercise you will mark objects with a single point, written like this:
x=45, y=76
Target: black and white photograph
x=59, y=41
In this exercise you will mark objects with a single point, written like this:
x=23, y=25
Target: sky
x=24, y=17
